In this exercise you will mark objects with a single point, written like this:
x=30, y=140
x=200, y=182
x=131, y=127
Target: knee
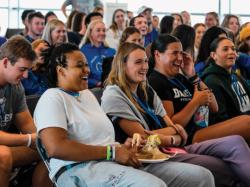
x=234, y=141
x=201, y=176
x=5, y=159
x=154, y=181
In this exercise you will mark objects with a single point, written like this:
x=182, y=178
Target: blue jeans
x=106, y=174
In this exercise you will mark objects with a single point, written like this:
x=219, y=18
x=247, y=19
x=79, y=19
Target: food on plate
x=151, y=149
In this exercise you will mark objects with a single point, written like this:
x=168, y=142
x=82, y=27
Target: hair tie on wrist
x=113, y=152
x=172, y=140
x=29, y=140
x=193, y=78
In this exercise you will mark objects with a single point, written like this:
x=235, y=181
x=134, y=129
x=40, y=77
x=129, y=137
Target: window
x=11, y=10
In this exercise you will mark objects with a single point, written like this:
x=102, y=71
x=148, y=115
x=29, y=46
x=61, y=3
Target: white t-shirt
x=82, y=117
x=113, y=39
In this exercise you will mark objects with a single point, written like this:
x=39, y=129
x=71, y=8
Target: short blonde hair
x=87, y=39
x=50, y=26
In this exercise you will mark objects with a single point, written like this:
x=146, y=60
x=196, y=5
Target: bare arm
x=25, y=124
x=204, y=97
x=11, y=139
x=213, y=105
x=183, y=116
x=131, y=127
x=188, y=69
x=58, y=145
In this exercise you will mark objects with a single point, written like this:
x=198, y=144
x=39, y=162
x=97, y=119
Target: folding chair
x=12, y=31
x=42, y=152
x=97, y=93
x=31, y=101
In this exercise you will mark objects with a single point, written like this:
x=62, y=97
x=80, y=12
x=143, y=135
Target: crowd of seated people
x=188, y=84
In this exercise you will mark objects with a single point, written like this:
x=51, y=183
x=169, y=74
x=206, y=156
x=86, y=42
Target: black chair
x=11, y=32
x=31, y=102
x=42, y=152
x=98, y=93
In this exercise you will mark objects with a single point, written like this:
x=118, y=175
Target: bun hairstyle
x=56, y=56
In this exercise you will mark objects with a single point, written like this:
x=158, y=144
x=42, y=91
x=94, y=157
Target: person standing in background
x=186, y=17
x=85, y=6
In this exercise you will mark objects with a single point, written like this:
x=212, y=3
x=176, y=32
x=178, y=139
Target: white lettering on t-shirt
x=242, y=97
x=184, y=96
x=178, y=93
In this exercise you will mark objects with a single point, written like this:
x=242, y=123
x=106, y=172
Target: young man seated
x=16, y=150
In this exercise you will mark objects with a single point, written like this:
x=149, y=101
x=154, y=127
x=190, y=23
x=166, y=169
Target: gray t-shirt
x=115, y=103
x=85, y=6
x=12, y=101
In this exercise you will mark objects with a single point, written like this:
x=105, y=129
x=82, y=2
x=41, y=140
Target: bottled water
x=201, y=116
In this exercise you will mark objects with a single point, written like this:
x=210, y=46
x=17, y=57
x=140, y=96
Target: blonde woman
x=96, y=49
x=55, y=32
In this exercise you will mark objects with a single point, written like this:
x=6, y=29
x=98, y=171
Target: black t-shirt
x=178, y=90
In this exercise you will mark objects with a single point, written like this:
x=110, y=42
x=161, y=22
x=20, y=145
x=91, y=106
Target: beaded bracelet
x=196, y=82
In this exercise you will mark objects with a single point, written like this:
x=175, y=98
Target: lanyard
x=148, y=110
x=178, y=83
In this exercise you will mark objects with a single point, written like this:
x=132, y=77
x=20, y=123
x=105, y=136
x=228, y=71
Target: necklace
x=74, y=94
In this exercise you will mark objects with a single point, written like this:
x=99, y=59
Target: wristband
x=109, y=153
x=113, y=152
x=193, y=78
x=196, y=82
x=29, y=140
x=172, y=141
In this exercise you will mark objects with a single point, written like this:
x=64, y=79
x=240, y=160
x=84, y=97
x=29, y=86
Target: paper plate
x=151, y=161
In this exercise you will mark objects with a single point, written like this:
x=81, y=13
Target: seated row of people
x=74, y=78
x=133, y=106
